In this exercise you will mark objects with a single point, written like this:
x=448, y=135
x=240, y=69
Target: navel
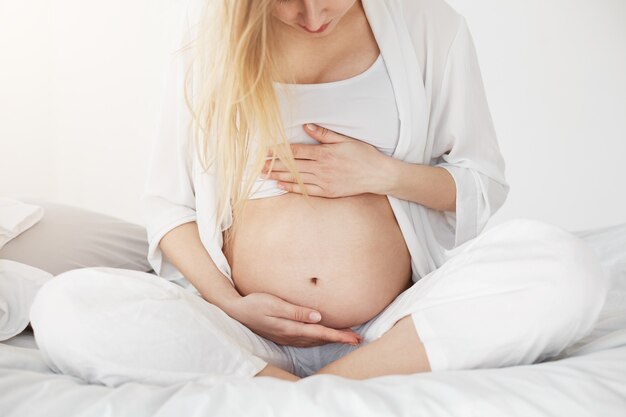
x=314, y=280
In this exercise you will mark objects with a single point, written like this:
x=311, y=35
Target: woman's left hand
x=339, y=166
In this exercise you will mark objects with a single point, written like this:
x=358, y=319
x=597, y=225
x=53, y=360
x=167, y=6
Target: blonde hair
x=236, y=101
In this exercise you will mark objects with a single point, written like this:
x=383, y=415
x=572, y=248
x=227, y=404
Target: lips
x=320, y=30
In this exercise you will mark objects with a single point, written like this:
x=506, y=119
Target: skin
x=312, y=14
x=397, y=352
x=341, y=166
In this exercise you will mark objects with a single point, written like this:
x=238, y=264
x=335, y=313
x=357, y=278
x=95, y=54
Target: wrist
x=386, y=175
x=229, y=304
x=225, y=301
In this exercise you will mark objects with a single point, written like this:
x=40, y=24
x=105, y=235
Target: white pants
x=519, y=293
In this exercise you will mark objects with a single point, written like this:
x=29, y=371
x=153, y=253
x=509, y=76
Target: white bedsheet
x=588, y=379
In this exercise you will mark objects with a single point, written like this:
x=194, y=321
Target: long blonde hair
x=236, y=108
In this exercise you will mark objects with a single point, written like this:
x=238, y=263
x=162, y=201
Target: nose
x=313, y=16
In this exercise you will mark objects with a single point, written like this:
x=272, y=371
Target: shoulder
x=433, y=27
x=438, y=12
x=430, y=23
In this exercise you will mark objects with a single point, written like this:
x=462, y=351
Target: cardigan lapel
x=395, y=46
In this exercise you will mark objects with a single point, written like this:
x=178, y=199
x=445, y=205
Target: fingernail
x=311, y=127
x=315, y=316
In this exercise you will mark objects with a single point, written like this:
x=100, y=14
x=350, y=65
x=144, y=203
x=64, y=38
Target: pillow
x=69, y=237
x=16, y=217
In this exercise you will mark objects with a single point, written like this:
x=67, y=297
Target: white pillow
x=69, y=237
x=16, y=217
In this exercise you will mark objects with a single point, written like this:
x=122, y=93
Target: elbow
x=499, y=194
x=449, y=195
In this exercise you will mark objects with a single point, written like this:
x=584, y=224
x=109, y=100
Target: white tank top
x=362, y=107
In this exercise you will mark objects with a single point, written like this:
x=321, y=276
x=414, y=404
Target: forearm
x=184, y=249
x=432, y=187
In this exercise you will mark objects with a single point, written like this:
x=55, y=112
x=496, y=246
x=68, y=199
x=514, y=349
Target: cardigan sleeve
x=168, y=198
x=465, y=143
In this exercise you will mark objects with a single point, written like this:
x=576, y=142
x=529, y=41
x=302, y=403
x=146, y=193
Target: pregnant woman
x=314, y=204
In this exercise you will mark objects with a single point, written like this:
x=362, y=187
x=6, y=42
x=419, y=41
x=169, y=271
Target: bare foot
x=273, y=371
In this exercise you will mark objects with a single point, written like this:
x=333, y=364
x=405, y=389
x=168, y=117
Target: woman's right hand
x=285, y=323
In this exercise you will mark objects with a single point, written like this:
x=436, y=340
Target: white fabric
x=372, y=115
x=19, y=283
x=519, y=293
x=588, y=379
x=444, y=120
x=17, y=217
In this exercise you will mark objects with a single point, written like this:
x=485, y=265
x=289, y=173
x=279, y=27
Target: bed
x=587, y=379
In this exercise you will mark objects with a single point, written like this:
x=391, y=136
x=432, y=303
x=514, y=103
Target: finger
x=305, y=151
x=324, y=135
x=288, y=177
x=302, y=165
x=320, y=332
x=311, y=189
x=350, y=331
x=300, y=151
x=286, y=310
x=309, y=343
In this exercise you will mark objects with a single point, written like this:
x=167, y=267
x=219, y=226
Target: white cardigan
x=444, y=121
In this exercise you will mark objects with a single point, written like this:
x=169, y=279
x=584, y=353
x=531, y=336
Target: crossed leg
x=519, y=293
x=398, y=351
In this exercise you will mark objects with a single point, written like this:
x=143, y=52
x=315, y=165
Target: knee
x=566, y=280
x=56, y=300
x=58, y=310
x=70, y=302
x=568, y=263
x=583, y=283
x=576, y=283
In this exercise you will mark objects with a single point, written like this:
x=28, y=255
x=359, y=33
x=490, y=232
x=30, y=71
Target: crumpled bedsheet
x=587, y=380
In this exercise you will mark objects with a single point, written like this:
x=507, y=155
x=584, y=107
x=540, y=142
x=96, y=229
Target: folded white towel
x=16, y=217
x=19, y=283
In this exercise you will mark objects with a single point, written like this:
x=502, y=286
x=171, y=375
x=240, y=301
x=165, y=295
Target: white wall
x=80, y=86
x=554, y=72
x=80, y=83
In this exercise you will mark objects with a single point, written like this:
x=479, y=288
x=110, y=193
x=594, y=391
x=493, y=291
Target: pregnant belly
x=345, y=257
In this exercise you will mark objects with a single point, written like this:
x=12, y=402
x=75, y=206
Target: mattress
x=587, y=379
